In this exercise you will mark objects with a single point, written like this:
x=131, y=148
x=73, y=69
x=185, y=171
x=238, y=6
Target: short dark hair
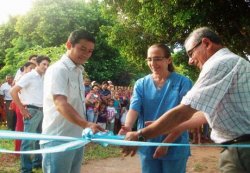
x=95, y=85
x=167, y=53
x=27, y=64
x=105, y=82
x=31, y=56
x=204, y=32
x=40, y=58
x=80, y=34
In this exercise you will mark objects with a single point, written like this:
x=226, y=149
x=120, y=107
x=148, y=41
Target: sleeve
x=210, y=88
x=137, y=96
x=59, y=80
x=24, y=80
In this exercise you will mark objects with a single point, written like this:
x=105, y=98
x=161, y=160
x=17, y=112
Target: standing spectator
x=196, y=135
x=111, y=113
x=222, y=93
x=205, y=132
x=87, y=85
x=5, y=89
x=117, y=105
x=124, y=112
x=64, y=103
x=153, y=95
x=102, y=115
x=92, y=103
x=31, y=108
x=105, y=92
x=27, y=67
x=2, y=108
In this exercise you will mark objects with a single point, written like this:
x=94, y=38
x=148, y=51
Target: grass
x=199, y=168
x=9, y=163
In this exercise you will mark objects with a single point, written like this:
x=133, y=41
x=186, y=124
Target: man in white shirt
x=5, y=93
x=30, y=103
x=221, y=93
x=64, y=103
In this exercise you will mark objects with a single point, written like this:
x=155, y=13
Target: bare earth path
x=203, y=159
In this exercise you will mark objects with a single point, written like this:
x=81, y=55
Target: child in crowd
x=124, y=112
x=117, y=105
x=102, y=115
x=111, y=113
x=92, y=103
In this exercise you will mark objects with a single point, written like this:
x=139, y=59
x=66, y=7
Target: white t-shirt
x=62, y=78
x=5, y=91
x=32, y=88
x=111, y=111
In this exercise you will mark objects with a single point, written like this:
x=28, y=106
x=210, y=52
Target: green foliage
x=180, y=60
x=124, y=30
x=7, y=34
x=45, y=28
x=139, y=24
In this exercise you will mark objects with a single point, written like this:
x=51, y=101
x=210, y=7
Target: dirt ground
x=203, y=159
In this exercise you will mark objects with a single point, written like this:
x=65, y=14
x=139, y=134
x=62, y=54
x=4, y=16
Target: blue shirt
x=151, y=103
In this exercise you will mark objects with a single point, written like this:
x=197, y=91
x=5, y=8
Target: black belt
x=34, y=107
x=243, y=138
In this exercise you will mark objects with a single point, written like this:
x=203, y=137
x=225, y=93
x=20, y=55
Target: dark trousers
x=10, y=116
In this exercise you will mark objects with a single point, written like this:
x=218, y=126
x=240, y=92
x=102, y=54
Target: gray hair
x=202, y=32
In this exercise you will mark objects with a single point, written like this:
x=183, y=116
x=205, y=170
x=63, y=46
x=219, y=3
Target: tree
x=46, y=27
x=7, y=34
x=142, y=23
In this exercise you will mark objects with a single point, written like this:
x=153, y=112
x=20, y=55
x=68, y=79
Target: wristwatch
x=140, y=136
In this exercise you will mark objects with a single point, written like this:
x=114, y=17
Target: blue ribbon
x=103, y=138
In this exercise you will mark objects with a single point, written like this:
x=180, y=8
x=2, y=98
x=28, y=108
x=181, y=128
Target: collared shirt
x=63, y=78
x=32, y=88
x=222, y=92
x=5, y=91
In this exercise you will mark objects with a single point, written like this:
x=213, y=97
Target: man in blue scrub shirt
x=153, y=95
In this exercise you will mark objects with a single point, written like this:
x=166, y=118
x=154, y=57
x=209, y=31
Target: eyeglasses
x=156, y=59
x=191, y=51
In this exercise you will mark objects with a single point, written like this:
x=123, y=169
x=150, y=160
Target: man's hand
x=171, y=137
x=130, y=136
x=25, y=113
x=160, y=151
x=95, y=127
x=124, y=130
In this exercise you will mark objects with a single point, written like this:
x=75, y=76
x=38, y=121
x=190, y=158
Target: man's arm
x=169, y=121
x=14, y=94
x=165, y=124
x=72, y=115
x=196, y=121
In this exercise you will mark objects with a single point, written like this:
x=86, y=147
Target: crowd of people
x=106, y=104
x=57, y=100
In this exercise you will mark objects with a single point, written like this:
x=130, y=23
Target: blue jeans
x=164, y=166
x=91, y=116
x=65, y=162
x=33, y=125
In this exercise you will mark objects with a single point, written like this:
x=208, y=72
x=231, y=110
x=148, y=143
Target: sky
x=13, y=7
